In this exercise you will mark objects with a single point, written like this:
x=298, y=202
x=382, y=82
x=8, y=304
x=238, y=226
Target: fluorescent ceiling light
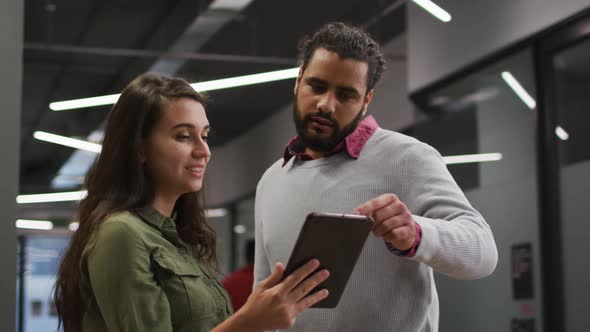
x=519, y=90
x=224, y=83
x=72, y=172
x=434, y=9
x=67, y=141
x=52, y=197
x=472, y=158
x=34, y=224
x=240, y=229
x=216, y=213
x=235, y=5
x=562, y=134
x=84, y=102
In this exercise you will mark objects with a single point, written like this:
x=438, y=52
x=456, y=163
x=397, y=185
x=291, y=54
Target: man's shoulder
x=270, y=171
x=396, y=142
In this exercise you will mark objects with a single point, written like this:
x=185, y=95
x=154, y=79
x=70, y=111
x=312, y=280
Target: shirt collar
x=155, y=218
x=353, y=143
x=167, y=226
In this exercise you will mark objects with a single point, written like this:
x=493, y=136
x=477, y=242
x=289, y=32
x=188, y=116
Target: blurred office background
x=501, y=88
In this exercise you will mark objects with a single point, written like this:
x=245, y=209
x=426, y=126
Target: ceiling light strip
x=216, y=213
x=225, y=83
x=84, y=102
x=561, y=133
x=472, y=158
x=233, y=82
x=34, y=224
x=51, y=197
x=434, y=9
x=519, y=90
x=67, y=141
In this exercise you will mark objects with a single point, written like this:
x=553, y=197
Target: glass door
x=565, y=66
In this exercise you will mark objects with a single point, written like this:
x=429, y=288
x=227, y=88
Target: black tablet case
x=336, y=240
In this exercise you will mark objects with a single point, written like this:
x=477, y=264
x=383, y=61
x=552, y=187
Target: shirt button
x=207, y=282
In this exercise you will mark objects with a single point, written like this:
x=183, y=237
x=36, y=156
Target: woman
x=142, y=257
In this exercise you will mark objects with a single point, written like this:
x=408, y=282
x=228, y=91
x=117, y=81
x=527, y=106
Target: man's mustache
x=324, y=116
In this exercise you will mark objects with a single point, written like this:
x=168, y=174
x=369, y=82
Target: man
x=342, y=162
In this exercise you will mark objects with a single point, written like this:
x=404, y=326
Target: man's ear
x=367, y=101
x=298, y=80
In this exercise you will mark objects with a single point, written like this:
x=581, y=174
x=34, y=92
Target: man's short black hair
x=349, y=43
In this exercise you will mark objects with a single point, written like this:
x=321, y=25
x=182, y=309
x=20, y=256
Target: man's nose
x=327, y=103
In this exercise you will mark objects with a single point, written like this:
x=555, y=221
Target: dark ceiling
x=84, y=48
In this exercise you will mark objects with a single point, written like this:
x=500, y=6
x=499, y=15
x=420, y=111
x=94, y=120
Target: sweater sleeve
x=456, y=240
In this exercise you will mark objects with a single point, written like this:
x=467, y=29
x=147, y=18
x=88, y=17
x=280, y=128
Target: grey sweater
x=385, y=292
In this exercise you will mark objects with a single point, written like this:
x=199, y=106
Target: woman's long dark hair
x=119, y=182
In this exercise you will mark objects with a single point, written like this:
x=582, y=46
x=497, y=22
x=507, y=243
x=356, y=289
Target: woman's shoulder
x=124, y=225
x=125, y=217
x=119, y=231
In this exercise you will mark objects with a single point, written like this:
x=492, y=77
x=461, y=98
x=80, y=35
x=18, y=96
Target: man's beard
x=317, y=142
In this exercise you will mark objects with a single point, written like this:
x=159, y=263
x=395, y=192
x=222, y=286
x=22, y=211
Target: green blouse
x=138, y=275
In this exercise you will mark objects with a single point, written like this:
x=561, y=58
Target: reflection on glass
x=571, y=68
x=572, y=83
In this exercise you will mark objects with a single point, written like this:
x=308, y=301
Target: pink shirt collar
x=353, y=144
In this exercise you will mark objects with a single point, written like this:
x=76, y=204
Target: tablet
x=336, y=240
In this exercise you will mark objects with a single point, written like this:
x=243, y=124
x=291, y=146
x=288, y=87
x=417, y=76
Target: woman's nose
x=202, y=151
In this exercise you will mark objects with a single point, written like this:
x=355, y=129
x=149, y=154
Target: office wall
x=11, y=42
x=478, y=28
x=236, y=167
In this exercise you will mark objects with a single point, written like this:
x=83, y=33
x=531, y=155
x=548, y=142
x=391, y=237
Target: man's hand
x=393, y=220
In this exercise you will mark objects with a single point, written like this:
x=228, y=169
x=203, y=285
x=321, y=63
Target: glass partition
x=486, y=123
x=571, y=107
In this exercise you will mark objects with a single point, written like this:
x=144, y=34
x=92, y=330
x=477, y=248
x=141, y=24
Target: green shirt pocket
x=185, y=287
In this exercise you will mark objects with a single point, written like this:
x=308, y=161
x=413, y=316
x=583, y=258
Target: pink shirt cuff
x=409, y=252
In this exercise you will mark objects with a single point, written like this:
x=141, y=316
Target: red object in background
x=527, y=309
x=239, y=285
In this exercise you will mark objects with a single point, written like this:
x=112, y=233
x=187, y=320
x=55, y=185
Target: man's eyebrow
x=349, y=89
x=315, y=80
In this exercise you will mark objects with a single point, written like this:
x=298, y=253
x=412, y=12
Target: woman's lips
x=196, y=170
